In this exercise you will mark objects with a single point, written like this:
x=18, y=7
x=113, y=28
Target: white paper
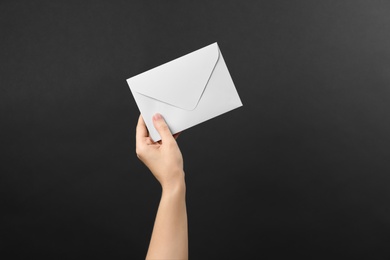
x=185, y=91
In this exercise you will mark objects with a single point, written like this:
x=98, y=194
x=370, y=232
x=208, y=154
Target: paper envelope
x=185, y=91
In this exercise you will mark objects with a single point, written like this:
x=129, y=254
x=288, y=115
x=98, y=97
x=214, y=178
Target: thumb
x=162, y=128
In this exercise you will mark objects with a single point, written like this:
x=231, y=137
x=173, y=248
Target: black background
x=301, y=170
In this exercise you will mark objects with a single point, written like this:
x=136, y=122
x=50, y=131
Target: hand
x=163, y=158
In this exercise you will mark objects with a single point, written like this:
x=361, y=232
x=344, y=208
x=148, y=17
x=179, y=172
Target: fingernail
x=157, y=116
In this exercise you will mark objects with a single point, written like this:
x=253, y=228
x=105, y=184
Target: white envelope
x=185, y=91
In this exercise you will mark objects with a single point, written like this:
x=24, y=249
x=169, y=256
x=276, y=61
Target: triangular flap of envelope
x=180, y=82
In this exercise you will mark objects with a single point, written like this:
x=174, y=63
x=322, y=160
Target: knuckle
x=163, y=127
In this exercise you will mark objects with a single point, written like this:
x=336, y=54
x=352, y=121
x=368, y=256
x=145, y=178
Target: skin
x=169, y=239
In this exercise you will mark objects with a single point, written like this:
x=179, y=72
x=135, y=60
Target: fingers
x=141, y=130
x=159, y=124
x=162, y=128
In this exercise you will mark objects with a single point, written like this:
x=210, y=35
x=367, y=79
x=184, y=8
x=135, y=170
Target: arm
x=169, y=238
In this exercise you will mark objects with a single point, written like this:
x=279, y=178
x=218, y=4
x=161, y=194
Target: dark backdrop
x=301, y=170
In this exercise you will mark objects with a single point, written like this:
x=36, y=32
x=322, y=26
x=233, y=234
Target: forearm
x=170, y=232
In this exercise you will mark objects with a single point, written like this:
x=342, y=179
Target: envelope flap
x=180, y=82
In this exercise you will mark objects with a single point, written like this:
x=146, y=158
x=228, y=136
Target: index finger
x=141, y=130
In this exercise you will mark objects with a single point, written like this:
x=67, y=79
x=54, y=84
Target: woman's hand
x=169, y=238
x=163, y=158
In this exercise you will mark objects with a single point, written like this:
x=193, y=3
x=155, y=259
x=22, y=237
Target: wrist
x=175, y=185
